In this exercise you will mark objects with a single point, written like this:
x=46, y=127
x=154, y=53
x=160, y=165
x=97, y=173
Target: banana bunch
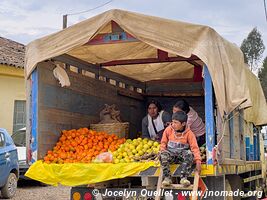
x=146, y=157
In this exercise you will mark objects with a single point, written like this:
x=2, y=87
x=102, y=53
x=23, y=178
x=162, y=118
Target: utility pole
x=265, y=9
x=65, y=21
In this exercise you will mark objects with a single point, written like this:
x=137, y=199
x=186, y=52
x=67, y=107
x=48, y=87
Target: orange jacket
x=186, y=137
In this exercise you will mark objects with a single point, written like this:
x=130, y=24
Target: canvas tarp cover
x=224, y=60
x=257, y=113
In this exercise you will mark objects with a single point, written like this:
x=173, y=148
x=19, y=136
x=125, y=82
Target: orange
x=82, y=145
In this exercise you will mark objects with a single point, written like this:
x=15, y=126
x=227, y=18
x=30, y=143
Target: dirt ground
x=31, y=190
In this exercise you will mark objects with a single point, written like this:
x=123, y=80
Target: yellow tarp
x=73, y=174
x=257, y=113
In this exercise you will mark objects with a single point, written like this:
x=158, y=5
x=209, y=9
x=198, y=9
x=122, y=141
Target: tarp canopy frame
x=223, y=59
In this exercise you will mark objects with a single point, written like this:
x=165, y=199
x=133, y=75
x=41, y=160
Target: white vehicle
x=19, y=138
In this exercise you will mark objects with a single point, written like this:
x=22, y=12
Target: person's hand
x=198, y=167
x=156, y=137
x=159, y=153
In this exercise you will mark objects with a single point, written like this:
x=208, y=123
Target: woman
x=155, y=122
x=194, y=121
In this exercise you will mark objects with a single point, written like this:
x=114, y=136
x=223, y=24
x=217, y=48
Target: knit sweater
x=186, y=137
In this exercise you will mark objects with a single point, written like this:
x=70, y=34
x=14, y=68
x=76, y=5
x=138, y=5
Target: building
x=12, y=85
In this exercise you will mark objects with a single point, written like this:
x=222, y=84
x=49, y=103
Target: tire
x=9, y=189
x=42, y=184
x=236, y=183
x=228, y=188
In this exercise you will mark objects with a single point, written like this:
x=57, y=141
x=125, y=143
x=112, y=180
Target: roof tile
x=11, y=53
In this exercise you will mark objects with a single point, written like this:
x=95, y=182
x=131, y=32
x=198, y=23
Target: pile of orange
x=82, y=145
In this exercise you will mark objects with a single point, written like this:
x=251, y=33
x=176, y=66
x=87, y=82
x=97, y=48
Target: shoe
x=167, y=181
x=185, y=182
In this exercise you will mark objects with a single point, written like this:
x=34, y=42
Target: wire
x=90, y=9
x=265, y=9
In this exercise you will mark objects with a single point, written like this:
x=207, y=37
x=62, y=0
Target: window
x=2, y=140
x=19, y=119
x=19, y=138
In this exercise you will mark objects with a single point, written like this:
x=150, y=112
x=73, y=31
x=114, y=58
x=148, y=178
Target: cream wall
x=12, y=87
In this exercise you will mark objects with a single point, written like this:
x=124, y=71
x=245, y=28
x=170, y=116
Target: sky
x=24, y=21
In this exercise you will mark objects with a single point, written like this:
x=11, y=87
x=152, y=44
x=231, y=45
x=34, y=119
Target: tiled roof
x=11, y=53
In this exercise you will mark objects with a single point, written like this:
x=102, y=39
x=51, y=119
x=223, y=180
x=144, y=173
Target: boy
x=174, y=148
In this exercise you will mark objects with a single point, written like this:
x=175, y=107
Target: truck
x=127, y=59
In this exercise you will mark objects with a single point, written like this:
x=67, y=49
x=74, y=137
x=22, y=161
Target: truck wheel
x=9, y=189
x=228, y=188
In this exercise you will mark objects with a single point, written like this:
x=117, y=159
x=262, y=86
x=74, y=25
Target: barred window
x=19, y=119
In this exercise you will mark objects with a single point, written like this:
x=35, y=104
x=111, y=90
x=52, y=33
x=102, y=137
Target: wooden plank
x=249, y=131
x=237, y=138
x=159, y=184
x=149, y=60
x=224, y=146
x=178, y=187
x=225, y=143
x=231, y=132
x=166, y=81
x=219, y=123
x=55, y=127
x=65, y=99
x=249, y=179
x=97, y=70
x=229, y=161
x=130, y=94
x=173, y=87
x=195, y=186
x=50, y=115
x=50, y=136
x=262, y=157
x=175, y=94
